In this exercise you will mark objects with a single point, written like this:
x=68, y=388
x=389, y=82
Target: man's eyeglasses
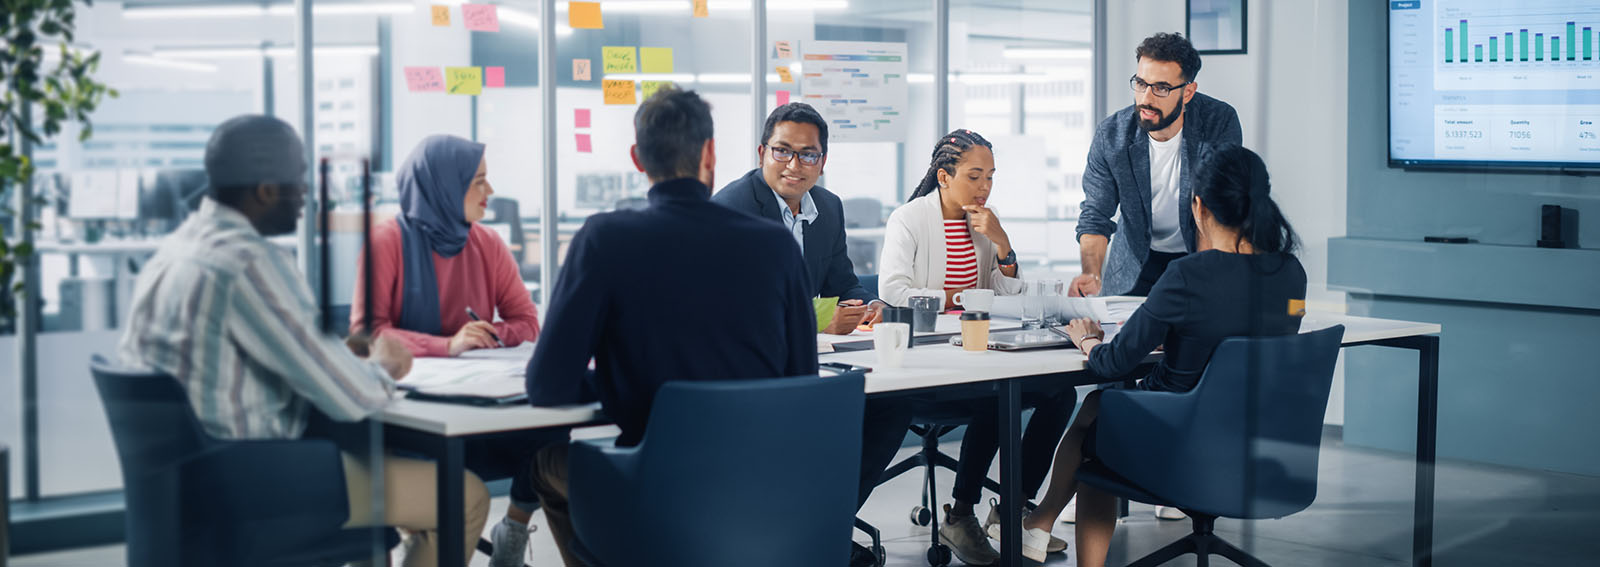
x=1161, y=91
x=785, y=155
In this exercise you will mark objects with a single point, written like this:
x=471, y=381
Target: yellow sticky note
x=648, y=88
x=785, y=50
x=784, y=76
x=619, y=60
x=618, y=92
x=441, y=15
x=655, y=59
x=700, y=10
x=580, y=69
x=1297, y=307
x=463, y=80
x=584, y=16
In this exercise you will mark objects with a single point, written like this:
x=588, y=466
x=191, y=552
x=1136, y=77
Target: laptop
x=1025, y=339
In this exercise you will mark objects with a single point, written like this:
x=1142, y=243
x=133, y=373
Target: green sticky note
x=619, y=59
x=648, y=88
x=824, y=306
x=656, y=59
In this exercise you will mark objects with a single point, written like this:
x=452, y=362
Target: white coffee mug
x=975, y=299
x=891, y=340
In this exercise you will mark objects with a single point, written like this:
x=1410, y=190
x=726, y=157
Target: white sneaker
x=1069, y=515
x=992, y=527
x=966, y=539
x=1034, y=542
x=510, y=539
x=1170, y=513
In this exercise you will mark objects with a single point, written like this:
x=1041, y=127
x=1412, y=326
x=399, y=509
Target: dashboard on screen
x=1494, y=83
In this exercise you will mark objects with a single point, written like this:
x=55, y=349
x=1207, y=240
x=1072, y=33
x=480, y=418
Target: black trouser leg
x=1052, y=413
x=883, y=430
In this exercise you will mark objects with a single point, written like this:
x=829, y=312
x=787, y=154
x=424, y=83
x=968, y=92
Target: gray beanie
x=252, y=149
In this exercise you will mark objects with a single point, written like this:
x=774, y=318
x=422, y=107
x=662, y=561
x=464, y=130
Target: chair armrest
x=264, y=485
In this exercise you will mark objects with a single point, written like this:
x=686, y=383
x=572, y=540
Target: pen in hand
x=474, y=316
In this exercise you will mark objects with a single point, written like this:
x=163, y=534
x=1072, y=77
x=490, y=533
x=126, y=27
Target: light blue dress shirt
x=796, y=224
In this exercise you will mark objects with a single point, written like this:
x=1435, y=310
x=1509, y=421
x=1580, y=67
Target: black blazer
x=827, y=258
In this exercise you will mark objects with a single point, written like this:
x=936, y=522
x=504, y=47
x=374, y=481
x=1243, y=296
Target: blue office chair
x=728, y=452
x=1189, y=450
x=196, y=500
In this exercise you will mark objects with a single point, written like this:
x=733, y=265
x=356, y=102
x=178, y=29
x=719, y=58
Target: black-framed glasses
x=786, y=154
x=1161, y=91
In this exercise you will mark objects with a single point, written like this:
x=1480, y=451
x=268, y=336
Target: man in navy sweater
x=633, y=296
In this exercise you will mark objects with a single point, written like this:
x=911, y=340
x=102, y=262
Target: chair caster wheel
x=881, y=554
x=938, y=555
x=921, y=515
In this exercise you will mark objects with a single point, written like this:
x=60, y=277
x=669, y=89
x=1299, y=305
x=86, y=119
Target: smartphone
x=843, y=368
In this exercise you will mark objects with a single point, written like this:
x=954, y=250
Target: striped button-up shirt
x=227, y=313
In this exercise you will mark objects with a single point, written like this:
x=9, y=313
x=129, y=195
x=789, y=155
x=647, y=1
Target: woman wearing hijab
x=433, y=263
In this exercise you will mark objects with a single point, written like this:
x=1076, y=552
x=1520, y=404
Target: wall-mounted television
x=1494, y=83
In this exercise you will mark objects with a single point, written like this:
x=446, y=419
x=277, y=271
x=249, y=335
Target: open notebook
x=479, y=377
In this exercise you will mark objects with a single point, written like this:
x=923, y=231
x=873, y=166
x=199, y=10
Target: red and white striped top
x=960, y=258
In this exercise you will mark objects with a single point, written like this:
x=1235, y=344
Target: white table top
x=925, y=366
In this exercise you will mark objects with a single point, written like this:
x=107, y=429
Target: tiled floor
x=1486, y=516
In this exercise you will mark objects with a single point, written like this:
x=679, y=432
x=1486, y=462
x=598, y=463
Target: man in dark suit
x=793, y=150
x=633, y=296
x=1142, y=162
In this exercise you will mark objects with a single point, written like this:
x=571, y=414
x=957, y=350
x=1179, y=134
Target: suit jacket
x=626, y=299
x=1117, y=177
x=827, y=258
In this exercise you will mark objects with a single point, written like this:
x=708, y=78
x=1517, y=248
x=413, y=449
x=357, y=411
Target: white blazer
x=913, y=259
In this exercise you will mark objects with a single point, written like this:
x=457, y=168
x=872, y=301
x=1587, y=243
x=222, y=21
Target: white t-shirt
x=1166, y=169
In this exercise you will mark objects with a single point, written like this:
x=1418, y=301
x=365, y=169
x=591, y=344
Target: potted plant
x=38, y=99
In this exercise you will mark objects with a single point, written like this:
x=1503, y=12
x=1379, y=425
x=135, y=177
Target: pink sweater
x=483, y=275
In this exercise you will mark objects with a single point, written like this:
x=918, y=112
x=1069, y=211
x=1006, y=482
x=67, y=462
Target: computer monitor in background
x=92, y=194
x=172, y=196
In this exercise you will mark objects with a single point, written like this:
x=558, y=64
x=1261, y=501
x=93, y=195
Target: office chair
x=193, y=499
x=727, y=451
x=1242, y=444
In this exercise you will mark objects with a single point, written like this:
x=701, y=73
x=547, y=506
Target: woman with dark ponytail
x=1244, y=280
x=944, y=240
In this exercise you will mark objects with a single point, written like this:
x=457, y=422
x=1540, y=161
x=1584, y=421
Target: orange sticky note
x=618, y=91
x=481, y=17
x=580, y=69
x=585, y=146
x=784, y=76
x=700, y=10
x=494, y=77
x=785, y=50
x=441, y=15
x=1297, y=307
x=584, y=16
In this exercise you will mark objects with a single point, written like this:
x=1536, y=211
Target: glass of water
x=1052, y=294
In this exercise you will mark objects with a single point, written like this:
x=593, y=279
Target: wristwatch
x=1009, y=260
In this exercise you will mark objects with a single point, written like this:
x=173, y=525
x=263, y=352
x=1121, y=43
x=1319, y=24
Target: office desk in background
x=441, y=430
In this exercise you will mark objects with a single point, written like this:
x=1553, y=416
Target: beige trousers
x=410, y=502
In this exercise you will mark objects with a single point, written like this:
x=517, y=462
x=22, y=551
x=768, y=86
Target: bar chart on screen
x=1500, y=45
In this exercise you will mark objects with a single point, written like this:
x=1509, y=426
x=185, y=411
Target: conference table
x=440, y=431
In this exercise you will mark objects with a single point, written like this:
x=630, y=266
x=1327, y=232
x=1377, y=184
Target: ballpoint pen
x=474, y=316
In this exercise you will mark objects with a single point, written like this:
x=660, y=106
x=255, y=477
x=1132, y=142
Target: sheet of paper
x=655, y=59
x=481, y=17
x=783, y=98
x=619, y=59
x=441, y=15
x=618, y=92
x=584, y=16
x=494, y=77
x=464, y=80
x=580, y=117
x=785, y=50
x=580, y=69
x=424, y=79
x=784, y=76
x=648, y=88
x=486, y=377
x=585, y=145
x=700, y=9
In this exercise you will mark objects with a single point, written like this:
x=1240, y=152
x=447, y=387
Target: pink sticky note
x=581, y=117
x=481, y=17
x=783, y=98
x=424, y=79
x=583, y=144
x=494, y=77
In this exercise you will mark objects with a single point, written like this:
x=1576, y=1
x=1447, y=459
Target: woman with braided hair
x=944, y=240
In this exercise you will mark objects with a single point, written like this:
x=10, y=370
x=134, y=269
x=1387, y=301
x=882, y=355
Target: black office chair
x=930, y=428
x=193, y=499
x=1192, y=450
